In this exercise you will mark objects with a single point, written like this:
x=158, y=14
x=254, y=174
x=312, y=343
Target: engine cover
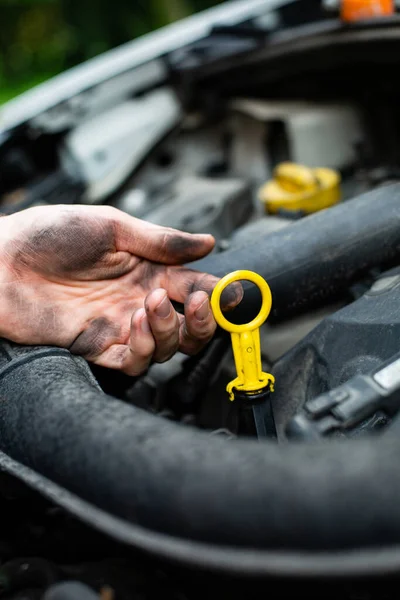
x=354, y=340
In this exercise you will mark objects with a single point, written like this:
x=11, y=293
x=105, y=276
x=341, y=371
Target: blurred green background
x=40, y=38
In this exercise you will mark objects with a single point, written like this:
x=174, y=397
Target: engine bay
x=159, y=485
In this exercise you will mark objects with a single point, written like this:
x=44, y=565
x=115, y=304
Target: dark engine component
x=185, y=496
x=319, y=256
x=198, y=204
x=357, y=340
x=124, y=488
x=235, y=510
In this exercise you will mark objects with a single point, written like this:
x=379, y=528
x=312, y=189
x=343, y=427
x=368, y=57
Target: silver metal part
x=389, y=377
x=109, y=147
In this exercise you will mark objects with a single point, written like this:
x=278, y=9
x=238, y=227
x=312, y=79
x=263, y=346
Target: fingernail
x=203, y=311
x=163, y=310
x=207, y=237
x=145, y=325
x=232, y=295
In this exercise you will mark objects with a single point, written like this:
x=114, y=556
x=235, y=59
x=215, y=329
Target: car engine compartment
x=136, y=487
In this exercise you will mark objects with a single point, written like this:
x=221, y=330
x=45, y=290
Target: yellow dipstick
x=245, y=338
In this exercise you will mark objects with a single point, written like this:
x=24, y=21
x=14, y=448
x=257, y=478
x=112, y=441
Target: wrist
x=8, y=228
x=5, y=236
x=7, y=277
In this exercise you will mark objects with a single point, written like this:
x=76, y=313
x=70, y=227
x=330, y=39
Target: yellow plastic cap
x=299, y=188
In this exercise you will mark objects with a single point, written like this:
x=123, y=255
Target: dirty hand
x=99, y=282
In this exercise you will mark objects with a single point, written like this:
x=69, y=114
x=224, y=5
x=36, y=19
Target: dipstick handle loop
x=246, y=337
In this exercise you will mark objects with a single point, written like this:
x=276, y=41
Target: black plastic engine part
x=302, y=59
x=189, y=388
x=223, y=42
x=350, y=405
x=197, y=204
x=255, y=415
x=320, y=255
x=357, y=340
x=26, y=573
x=57, y=188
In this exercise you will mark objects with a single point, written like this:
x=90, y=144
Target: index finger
x=181, y=282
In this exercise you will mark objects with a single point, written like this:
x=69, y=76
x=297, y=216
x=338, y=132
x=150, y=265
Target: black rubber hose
x=240, y=496
x=318, y=256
